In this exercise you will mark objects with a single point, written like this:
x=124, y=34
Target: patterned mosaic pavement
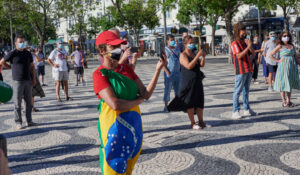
x=67, y=140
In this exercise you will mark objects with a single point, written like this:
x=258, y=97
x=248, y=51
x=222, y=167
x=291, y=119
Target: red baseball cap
x=108, y=37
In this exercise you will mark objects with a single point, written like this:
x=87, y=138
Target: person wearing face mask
x=272, y=65
x=120, y=92
x=287, y=76
x=172, y=75
x=191, y=93
x=21, y=64
x=58, y=60
x=241, y=51
x=78, y=62
x=265, y=67
x=255, y=61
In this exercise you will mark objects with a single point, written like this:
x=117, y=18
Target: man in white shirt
x=78, y=64
x=58, y=60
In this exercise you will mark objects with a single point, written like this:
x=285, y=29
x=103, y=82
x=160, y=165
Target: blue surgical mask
x=273, y=38
x=191, y=46
x=21, y=45
x=172, y=43
x=60, y=46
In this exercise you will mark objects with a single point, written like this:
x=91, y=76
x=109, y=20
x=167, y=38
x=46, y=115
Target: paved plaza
x=67, y=141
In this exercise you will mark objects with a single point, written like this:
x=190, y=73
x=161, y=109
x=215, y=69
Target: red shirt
x=101, y=82
x=242, y=65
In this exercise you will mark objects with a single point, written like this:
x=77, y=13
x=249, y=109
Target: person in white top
x=58, y=60
x=78, y=62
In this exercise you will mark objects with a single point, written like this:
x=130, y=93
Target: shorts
x=40, y=70
x=272, y=68
x=78, y=70
x=60, y=75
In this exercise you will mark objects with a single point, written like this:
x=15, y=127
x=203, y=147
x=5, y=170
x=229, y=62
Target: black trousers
x=255, y=66
x=1, y=77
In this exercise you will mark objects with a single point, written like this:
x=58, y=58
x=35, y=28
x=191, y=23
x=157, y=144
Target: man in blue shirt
x=172, y=74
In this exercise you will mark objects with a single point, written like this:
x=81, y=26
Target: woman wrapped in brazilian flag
x=120, y=92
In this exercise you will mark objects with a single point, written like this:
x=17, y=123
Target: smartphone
x=134, y=49
x=161, y=56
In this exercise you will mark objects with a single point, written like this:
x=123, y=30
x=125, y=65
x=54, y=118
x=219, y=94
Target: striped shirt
x=242, y=65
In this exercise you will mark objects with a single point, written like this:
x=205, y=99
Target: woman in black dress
x=191, y=96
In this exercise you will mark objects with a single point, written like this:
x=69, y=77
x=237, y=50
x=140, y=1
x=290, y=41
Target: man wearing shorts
x=271, y=64
x=58, y=60
x=78, y=64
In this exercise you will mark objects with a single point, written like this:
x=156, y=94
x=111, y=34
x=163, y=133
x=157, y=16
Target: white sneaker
x=196, y=127
x=249, y=113
x=256, y=82
x=270, y=89
x=19, y=126
x=236, y=115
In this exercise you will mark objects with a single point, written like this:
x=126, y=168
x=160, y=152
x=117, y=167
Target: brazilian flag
x=120, y=132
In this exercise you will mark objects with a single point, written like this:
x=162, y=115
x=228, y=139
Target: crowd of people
x=28, y=74
x=121, y=91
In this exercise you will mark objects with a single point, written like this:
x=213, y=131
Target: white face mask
x=285, y=39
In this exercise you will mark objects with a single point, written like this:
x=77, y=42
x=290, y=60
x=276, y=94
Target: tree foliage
x=134, y=15
x=31, y=18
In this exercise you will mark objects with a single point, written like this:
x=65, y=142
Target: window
x=99, y=14
x=168, y=15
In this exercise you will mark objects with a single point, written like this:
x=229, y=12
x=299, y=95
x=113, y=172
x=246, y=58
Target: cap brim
x=117, y=42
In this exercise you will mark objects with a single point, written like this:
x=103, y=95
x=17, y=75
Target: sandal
x=284, y=104
x=291, y=105
x=35, y=110
x=59, y=100
x=203, y=125
x=196, y=127
x=69, y=99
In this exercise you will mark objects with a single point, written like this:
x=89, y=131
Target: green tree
x=215, y=11
x=286, y=5
x=189, y=9
x=30, y=18
x=134, y=14
x=77, y=11
x=39, y=13
x=229, y=8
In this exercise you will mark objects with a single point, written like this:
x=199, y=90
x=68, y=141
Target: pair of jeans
x=22, y=89
x=171, y=81
x=242, y=84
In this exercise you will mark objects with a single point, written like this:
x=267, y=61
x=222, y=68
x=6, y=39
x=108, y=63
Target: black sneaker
x=32, y=124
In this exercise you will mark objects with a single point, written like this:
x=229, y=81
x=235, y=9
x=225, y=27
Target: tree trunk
x=215, y=20
x=228, y=18
x=44, y=27
x=136, y=36
x=285, y=20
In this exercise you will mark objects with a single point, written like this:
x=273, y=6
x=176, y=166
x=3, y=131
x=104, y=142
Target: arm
x=296, y=57
x=115, y=103
x=4, y=64
x=245, y=51
x=125, y=56
x=133, y=61
x=186, y=63
x=202, y=62
x=146, y=92
x=37, y=58
x=52, y=64
x=273, y=52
